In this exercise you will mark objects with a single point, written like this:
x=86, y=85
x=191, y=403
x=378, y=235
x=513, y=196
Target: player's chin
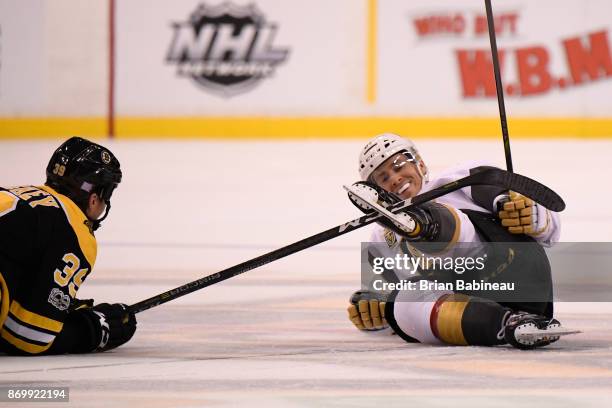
x=407, y=194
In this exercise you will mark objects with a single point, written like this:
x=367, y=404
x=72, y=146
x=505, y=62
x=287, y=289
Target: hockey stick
x=497, y=177
x=498, y=86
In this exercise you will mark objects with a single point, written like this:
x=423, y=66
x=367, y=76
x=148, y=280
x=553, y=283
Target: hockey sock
x=466, y=320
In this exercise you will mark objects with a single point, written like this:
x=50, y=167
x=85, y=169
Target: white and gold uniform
x=443, y=316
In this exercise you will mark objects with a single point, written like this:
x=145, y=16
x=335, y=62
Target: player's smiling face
x=399, y=174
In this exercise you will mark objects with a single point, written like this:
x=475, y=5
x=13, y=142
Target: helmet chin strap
x=95, y=224
x=424, y=174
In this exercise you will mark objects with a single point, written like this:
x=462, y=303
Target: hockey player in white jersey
x=392, y=164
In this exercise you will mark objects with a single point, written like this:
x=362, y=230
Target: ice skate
x=528, y=331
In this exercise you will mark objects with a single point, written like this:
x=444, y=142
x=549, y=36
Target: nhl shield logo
x=227, y=49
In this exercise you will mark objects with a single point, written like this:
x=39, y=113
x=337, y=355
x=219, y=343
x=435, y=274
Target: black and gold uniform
x=48, y=249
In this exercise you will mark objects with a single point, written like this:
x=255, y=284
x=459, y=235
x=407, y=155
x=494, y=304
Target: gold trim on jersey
x=24, y=345
x=31, y=335
x=32, y=340
x=8, y=202
x=4, y=300
x=34, y=318
x=87, y=241
x=457, y=231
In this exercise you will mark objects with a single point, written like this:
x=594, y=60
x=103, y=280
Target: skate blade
x=551, y=332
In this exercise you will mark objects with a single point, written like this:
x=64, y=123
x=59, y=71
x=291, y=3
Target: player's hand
x=117, y=324
x=521, y=215
x=367, y=311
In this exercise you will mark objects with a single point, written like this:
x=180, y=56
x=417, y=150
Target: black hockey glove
x=424, y=227
x=116, y=323
x=98, y=328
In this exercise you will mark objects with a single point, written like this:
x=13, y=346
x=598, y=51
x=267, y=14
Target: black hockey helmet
x=79, y=168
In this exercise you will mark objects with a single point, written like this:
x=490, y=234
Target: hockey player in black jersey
x=48, y=249
x=392, y=169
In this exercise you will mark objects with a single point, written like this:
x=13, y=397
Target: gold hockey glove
x=521, y=215
x=367, y=311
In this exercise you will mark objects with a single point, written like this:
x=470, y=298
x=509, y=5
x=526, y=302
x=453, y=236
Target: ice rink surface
x=278, y=336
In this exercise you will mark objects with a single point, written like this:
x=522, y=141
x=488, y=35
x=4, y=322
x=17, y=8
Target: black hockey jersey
x=47, y=249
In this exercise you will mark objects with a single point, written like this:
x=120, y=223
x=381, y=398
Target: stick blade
x=526, y=186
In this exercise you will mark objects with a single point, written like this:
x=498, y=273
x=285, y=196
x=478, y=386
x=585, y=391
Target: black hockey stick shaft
x=498, y=86
x=516, y=182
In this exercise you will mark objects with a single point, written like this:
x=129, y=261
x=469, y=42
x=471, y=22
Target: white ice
x=278, y=335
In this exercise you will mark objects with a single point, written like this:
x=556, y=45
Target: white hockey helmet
x=383, y=146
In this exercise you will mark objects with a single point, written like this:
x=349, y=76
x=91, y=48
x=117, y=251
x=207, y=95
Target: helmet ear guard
x=106, y=192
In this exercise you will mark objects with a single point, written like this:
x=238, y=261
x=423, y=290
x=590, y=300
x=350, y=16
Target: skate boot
x=528, y=331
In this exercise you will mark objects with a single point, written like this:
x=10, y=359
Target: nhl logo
x=226, y=49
